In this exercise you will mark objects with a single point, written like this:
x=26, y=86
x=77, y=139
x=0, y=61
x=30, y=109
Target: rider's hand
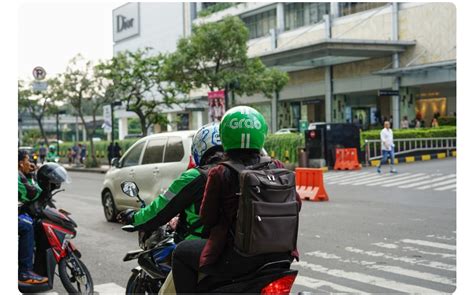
x=126, y=217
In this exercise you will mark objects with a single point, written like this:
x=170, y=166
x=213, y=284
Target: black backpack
x=267, y=216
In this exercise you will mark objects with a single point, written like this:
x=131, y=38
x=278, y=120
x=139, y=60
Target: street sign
x=389, y=93
x=39, y=73
x=40, y=86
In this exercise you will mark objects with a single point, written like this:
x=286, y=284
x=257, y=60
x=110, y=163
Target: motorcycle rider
x=216, y=256
x=184, y=195
x=28, y=191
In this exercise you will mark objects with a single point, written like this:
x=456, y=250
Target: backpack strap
x=234, y=166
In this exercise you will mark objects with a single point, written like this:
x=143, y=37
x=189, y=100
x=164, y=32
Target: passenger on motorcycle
x=216, y=256
x=184, y=195
x=28, y=191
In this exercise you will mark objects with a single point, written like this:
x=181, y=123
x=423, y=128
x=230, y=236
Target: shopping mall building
x=372, y=61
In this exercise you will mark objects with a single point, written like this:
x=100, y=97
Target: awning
x=331, y=52
x=443, y=65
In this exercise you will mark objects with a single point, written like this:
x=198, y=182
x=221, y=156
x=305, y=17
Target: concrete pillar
x=199, y=117
x=123, y=127
x=170, y=124
x=84, y=133
x=328, y=76
x=334, y=9
x=280, y=16
x=395, y=64
x=274, y=112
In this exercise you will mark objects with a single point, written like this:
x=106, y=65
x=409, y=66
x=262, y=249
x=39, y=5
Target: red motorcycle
x=54, y=230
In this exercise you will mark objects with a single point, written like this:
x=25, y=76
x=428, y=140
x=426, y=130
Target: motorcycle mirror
x=129, y=188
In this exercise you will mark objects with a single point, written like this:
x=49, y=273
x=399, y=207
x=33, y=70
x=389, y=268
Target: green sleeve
x=151, y=211
x=23, y=192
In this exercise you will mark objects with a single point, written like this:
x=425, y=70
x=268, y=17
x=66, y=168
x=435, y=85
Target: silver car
x=153, y=162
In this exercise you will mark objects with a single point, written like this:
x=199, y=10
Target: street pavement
x=378, y=233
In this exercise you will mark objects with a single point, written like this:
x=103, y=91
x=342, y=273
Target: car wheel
x=110, y=211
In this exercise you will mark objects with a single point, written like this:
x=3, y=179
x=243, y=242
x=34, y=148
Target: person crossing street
x=386, y=137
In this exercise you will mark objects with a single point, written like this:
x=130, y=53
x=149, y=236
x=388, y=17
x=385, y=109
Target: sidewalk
x=74, y=168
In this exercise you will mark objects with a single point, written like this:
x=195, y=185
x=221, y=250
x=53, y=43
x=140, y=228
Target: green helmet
x=243, y=127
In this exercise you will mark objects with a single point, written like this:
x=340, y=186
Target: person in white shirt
x=386, y=137
x=404, y=124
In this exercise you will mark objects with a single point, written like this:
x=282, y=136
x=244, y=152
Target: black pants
x=230, y=265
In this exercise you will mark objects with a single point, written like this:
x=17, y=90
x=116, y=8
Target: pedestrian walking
x=110, y=152
x=83, y=153
x=386, y=137
x=42, y=153
x=117, y=150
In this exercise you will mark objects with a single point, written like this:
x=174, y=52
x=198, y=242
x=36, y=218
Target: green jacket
x=28, y=189
x=183, y=197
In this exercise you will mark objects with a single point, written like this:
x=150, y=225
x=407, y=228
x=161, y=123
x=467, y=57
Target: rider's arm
x=27, y=191
x=177, y=197
x=209, y=211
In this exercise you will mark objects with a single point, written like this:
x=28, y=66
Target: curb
x=411, y=159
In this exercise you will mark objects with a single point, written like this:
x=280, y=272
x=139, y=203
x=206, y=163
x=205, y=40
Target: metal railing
x=373, y=150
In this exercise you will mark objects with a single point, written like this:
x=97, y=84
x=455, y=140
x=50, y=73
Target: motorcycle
x=154, y=260
x=54, y=229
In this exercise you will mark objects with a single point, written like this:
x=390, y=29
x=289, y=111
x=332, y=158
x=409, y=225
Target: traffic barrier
x=310, y=184
x=347, y=159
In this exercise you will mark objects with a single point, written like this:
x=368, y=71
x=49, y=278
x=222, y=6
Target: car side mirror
x=129, y=188
x=115, y=162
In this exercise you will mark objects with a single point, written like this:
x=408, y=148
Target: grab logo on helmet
x=246, y=123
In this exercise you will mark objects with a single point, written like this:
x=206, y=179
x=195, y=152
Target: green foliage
x=215, y=56
x=215, y=8
x=281, y=145
x=447, y=121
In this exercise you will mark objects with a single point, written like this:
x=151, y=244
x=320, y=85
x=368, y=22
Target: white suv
x=153, y=162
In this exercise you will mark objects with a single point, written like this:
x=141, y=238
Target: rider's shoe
x=31, y=278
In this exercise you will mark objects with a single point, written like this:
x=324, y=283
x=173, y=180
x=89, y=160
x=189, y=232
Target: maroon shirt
x=219, y=211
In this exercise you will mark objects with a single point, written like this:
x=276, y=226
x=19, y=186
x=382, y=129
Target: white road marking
x=109, y=288
x=430, y=244
x=344, y=178
x=396, y=178
x=414, y=274
x=315, y=284
x=407, y=181
x=438, y=184
x=335, y=175
x=443, y=255
x=429, y=181
x=432, y=264
x=366, y=279
x=441, y=237
x=445, y=187
x=372, y=179
x=385, y=245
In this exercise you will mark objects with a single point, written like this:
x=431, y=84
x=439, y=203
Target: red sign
x=216, y=101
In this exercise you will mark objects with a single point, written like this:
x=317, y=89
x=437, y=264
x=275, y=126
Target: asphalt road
x=387, y=233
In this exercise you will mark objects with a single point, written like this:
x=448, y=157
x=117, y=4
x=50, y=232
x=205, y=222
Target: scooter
x=154, y=259
x=54, y=230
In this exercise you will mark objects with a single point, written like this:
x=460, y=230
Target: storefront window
x=427, y=108
x=183, y=123
x=303, y=14
x=260, y=24
x=347, y=8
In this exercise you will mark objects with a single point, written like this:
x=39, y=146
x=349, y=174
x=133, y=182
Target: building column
x=280, y=17
x=334, y=9
x=199, y=117
x=169, y=126
x=395, y=64
x=84, y=133
x=274, y=112
x=328, y=76
x=123, y=127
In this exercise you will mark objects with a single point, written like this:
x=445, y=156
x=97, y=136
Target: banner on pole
x=216, y=101
x=107, y=119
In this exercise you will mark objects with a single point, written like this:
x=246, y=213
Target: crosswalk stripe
x=432, y=264
x=430, y=244
x=353, y=179
x=366, y=279
x=445, y=187
x=353, y=175
x=396, y=178
x=406, y=181
x=414, y=274
x=442, y=255
x=315, y=284
x=441, y=237
x=428, y=181
x=372, y=179
x=433, y=185
x=109, y=288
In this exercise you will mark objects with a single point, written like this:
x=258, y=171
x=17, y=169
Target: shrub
x=284, y=147
x=447, y=121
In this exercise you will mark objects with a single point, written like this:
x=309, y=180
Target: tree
x=37, y=103
x=136, y=78
x=215, y=56
x=83, y=85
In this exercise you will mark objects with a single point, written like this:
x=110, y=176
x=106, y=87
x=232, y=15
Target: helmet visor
x=58, y=175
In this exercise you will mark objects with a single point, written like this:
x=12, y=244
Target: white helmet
x=205, y=139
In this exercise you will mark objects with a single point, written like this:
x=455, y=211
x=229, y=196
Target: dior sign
x=126, y=20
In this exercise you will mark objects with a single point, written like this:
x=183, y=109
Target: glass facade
x=303, y=14
x=260, y=24
x=347, y=8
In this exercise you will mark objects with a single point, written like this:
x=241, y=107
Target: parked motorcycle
x=154, y=260
x=54, y=229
